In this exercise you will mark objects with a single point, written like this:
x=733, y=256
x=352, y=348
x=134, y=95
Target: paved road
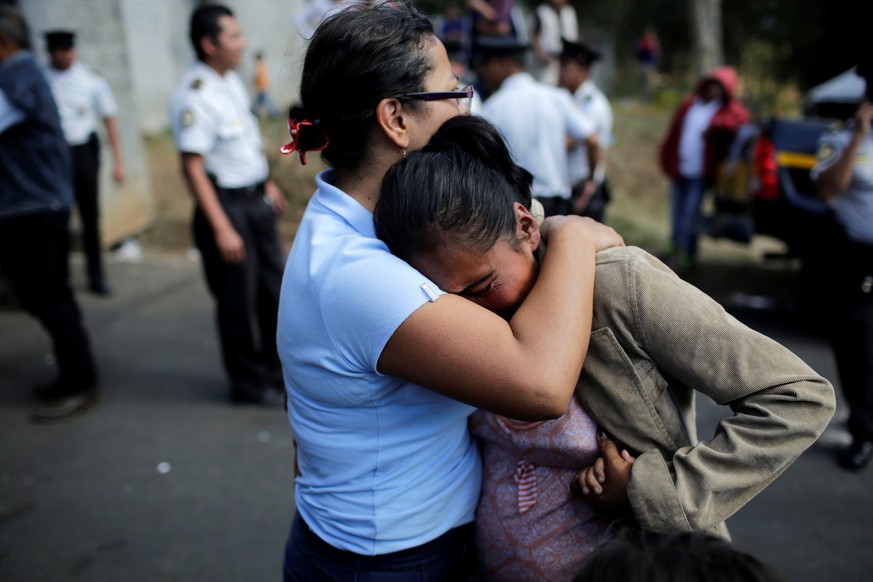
x=167, y=481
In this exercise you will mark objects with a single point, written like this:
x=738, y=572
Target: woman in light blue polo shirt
x=382, y=369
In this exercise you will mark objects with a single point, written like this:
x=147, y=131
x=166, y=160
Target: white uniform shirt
x=536, y=119
x=691, y=143
x=212, y=116
x=595, y=106
x=854, y=206
x=84, y=99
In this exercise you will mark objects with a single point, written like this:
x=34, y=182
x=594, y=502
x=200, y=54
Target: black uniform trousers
x=34, y=252
x=86, y=171
x=247, y=293
x=851, y=331
x=555, y=205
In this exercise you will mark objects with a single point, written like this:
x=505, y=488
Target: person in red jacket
x=699, y=136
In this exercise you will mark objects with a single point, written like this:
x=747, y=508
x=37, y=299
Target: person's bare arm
x=525, y=368
x=230, y=244
x=115, y=145
x=276, y=197
x=592, y=148
x=834, y=180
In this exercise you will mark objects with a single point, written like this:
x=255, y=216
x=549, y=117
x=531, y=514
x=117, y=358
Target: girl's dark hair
x=355, y=59
x=204, y=22
x=641, y=556
x=459, y=188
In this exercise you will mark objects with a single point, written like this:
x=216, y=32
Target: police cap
x=499, y=46
x=59, y=39
x=579, y=52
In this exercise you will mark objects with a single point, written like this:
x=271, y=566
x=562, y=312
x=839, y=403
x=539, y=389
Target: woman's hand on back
x=603, y=236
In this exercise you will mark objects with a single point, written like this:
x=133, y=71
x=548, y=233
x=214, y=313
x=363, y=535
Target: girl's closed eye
x=481, y=292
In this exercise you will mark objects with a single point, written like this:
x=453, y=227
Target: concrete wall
x=128, y=208
x=268, y=26
x=142, y=48
x=160, y=51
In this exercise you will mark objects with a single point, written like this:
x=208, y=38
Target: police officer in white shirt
x=538, y=121
x=223, y=162
x=84, y=99
x=590, y=188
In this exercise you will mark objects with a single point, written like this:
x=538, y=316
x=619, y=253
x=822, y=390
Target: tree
x=705, y=20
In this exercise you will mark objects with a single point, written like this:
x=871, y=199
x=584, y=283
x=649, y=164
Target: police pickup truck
x=763, y=187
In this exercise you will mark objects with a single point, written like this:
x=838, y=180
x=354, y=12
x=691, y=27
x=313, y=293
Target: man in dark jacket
x=35, y=196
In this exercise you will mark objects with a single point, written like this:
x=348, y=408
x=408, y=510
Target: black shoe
x=58, y=389
x=51, y=391
x=857, y=456
x=100, y=287
x=65, y=406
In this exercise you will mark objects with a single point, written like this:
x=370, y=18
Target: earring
x=404, y=153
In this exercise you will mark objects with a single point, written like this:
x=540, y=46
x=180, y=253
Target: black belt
x=252, y=190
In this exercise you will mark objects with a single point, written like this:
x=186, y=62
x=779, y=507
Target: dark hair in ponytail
x=458, y=189
x=355, y=59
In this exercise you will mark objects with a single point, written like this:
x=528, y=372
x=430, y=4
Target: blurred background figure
x=495, y=19
x=452, y=26
x=553, y=20
x=648, y=53
x=698, y=138
x=458, y=57
x=644, y=556
x=223, y=162
x=843, y=177
x=538, y=121
x=263, y=102
x=84, y=99
x=590, y=193
x=36, y=191
x=314, y=11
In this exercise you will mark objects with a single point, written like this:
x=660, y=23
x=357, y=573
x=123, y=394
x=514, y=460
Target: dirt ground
x=171, y=231
x=639, y=207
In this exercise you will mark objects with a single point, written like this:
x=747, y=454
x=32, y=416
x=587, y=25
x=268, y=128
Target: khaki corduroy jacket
x=656, y=340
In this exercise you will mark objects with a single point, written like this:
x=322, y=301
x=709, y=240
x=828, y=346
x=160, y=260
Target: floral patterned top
x=529, y=526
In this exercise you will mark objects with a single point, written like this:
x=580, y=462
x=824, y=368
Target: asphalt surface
x=165, y=480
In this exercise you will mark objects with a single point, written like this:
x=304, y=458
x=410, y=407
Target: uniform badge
x=187, y=119
x=825, y=153
x=196, y=84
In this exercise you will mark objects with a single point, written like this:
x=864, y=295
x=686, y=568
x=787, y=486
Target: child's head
x=458, y=211
x=639, y=556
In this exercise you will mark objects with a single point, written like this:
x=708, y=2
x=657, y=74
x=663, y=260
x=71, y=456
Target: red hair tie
x=294, y=126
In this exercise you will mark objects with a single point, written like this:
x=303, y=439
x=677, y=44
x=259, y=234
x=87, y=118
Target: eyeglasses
x=464, y=96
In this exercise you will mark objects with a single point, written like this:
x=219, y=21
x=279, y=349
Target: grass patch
x=640, y=192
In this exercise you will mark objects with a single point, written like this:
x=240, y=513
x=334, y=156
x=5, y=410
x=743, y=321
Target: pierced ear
x=391, y=118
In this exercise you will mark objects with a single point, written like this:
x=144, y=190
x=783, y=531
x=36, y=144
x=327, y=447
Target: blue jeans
x=309, y=558
x=687, y=196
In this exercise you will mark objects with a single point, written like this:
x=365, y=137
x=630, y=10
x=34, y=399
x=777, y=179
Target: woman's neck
x=363, y=183
x=364, y=188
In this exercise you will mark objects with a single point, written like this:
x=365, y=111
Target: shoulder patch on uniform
x=187, y=118
x=836, y=126
x=196, y=84
x=825, y=152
